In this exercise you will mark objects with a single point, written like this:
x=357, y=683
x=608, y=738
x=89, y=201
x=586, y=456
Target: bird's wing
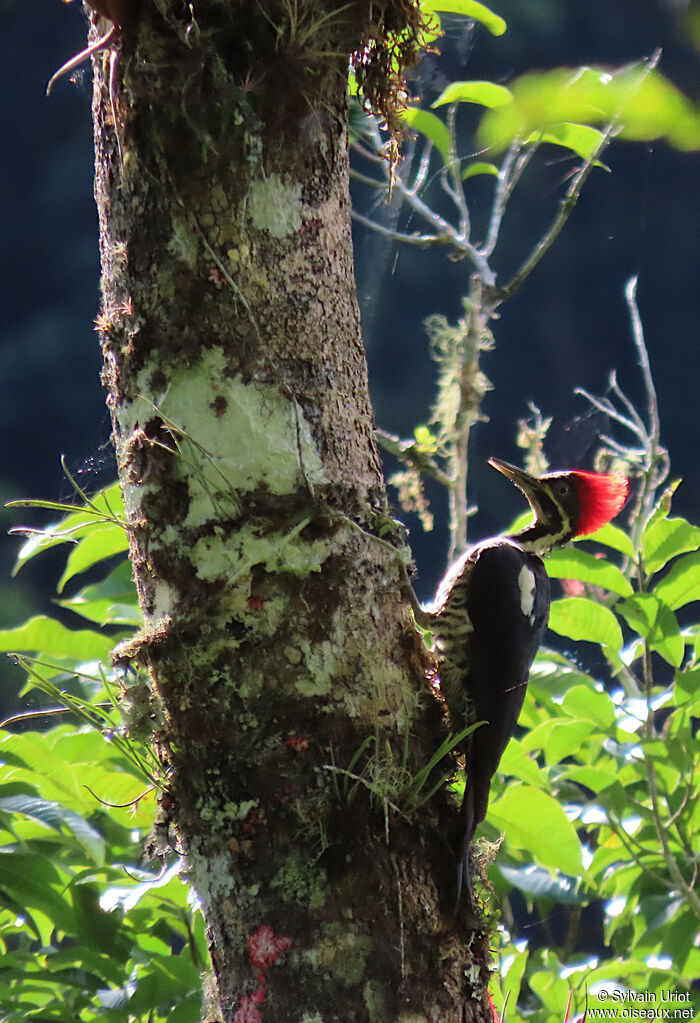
x=507, y=600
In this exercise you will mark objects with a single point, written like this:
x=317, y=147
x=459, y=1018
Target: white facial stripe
x=526, y=585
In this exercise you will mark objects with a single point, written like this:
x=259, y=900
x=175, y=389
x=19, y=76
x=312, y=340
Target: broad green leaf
x=584, y=702
x=534, y=821
x=656, y=623
x=592, y=777
x=580, y=138
x=574, y=563
x=468, y=9
x=479, y=167
x=551, y=989
x=103, y=541
x=165, y=978
x=687, y=689
x=517, y=763
x=32, y=881
x=614, y=537
x=681, y=584
x=665, y=539
x=46, y=634
x=565, y=737
x=112, y=601
x=539, y=883
x=578, y=618
x=485, y=94
x=430, y=126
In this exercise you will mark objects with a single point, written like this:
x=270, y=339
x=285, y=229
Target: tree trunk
x=293, y=712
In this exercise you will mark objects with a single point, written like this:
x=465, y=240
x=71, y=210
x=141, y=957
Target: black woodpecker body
x=490, y=616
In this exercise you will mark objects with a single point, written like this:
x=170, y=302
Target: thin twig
x=566, y=207
x=513, y=165
x=423, y=241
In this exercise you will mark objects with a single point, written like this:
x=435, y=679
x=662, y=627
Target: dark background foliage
x=568, y=327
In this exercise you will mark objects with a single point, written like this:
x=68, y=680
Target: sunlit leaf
x=642, y=102
x=472, y=170
x=614, y=537
x=516, y=763
x=75, y=524
x=574, y=563
x=469, y=9
x=430, y=126
x=535, y=821
x=111, y=601
x=591, y=705
x=42, y=633
x=665, y=539
x=564, y=737
x=580, y=138
x=579, y=618
x=655, y=622
x=681, y=584
x=485, y=94
x=103, y=541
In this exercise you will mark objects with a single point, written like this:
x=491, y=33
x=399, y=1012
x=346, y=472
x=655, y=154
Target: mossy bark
x=275, y=640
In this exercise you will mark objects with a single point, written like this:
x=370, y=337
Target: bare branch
x=566, y=207
x=514, y=163
x=423, y=241
x=606, y=406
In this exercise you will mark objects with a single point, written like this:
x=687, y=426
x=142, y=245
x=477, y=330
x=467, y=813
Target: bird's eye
x=563, y=489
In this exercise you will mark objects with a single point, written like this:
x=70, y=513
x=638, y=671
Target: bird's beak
x=530, y=486
x=523, y=480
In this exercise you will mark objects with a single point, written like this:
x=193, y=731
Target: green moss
x=375, y=998
x=322, y=665
x=297, y=881
x=343, y=954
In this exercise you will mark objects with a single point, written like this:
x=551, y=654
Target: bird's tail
x=468, y=825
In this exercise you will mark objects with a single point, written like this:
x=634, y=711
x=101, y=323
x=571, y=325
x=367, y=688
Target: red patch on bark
x=246, y=1012
x=298, y=743
x=265, y=947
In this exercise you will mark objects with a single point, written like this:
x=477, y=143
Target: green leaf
x=665, y=539
x=34, y=882
x=614, y=537
x=103, y=541
x=580, y=138
x=112, y=601
x=681, y=584
x=656, y=623
x=539, y=883
x=519, y=764
x=579, y=618
x=574, y=563
x=469, y=9
x=42, y=633
x=564, y=737
x=644, y=103
x=485, y=94
x=74, y=525
x=592, y=777
x=532, y=820
x=479, y=167
x=430, y=126
x=584, y=702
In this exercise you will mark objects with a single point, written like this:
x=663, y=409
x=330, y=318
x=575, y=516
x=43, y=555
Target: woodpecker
x=490, y=615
